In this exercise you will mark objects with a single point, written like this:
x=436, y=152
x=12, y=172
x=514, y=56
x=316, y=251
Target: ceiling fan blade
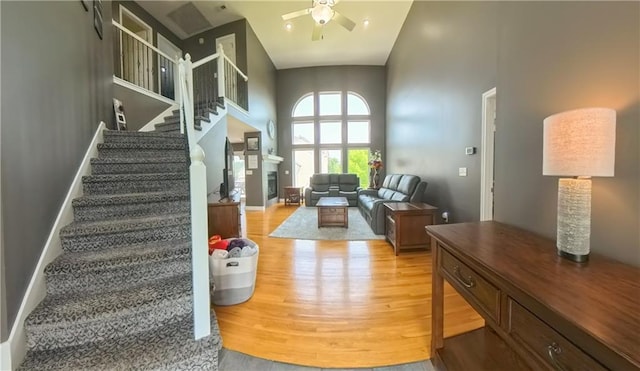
x=296, y=14
x=317, y=32
x=343, y=21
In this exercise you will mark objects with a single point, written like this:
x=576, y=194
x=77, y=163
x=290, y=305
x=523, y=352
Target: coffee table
x=333, y=212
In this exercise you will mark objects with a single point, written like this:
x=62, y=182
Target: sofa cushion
x=348, y=182
x=408, y=184
x=320, y=182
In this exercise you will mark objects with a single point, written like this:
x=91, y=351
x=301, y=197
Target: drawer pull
x=469, y=283
x=553, y=350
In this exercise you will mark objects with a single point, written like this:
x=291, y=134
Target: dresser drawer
x=471, y=285
x=548, y=347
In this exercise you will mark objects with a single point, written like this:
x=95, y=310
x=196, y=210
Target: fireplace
x=272, y=185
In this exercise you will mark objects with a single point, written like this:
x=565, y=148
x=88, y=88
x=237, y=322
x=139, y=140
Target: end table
x=405, y=222
x=292, y=195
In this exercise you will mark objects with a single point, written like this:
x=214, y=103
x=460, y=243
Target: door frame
x=221, y=39
x=122, y=10
x=489, y=100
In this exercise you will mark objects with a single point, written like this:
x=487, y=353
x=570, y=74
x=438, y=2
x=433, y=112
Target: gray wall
x=543, y=57
x=262, y=108
x=213, y=144
x=139, y=108
x=368, y=81
x=199, y=51
x=443, y=60
x=58, y=73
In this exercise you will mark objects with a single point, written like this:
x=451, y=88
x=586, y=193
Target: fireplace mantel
x=272, y=158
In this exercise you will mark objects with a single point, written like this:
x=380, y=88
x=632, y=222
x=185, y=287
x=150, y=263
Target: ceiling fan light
x=322, y=13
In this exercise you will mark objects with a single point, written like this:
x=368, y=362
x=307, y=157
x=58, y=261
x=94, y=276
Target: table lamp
x=578, y=143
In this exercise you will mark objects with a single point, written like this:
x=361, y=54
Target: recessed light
x=365, y=22
x=288, y=26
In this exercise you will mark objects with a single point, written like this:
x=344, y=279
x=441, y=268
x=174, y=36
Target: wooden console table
x=404, y=222
x=541, y=312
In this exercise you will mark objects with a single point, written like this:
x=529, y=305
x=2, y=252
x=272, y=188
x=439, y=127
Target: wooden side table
x=405, y=222
x=292, y=195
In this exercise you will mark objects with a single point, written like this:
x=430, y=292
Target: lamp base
x=573, y=257
x=574, y=218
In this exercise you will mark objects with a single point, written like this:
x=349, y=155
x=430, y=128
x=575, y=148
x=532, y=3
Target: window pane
x=358, y=132
x=357, y=164
x=330, y=104
x=331, y=161
x=356, y=105
x=303, y=133
x=304, y=107
x=330, y=132
x=302, y=167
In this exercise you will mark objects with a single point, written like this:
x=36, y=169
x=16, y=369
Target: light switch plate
x=462, y=171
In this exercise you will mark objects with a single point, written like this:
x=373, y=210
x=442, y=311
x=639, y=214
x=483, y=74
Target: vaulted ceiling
x=366, y=45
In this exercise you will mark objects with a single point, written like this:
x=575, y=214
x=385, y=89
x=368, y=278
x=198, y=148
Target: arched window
x=304, y=106
x=356, y=105
x=331, y=133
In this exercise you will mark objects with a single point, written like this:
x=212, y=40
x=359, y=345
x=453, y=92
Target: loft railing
x=143, y=64
x=194, y=94
x=234, y=84
x=216, y=78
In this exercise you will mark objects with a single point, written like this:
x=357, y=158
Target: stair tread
x=149, y=253
x=62, y=309
x=138, y=160
x=158, y=348
x=131, y=224
x=134, y=177
x=127, y=198
x=142, y=145
x=140, y=134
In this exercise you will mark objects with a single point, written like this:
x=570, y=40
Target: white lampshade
x=581, y=142
x=322, y=13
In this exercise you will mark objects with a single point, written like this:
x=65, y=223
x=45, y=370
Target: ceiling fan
x=322, y=12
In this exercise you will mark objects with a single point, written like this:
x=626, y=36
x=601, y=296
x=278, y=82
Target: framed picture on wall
x=253, y=144
x=97, y=17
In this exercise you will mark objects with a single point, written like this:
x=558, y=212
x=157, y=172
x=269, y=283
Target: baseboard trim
x=5, y=356
x=17, y=342
x=254, y=208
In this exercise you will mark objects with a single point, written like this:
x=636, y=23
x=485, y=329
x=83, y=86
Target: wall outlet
x=286, y=172
x=470, y=150
x=445, y=217
x=462, y=171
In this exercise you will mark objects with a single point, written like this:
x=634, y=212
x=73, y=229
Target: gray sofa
x=395, y=188
x=332, y=185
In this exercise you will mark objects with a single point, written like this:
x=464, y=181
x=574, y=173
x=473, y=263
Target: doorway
x=487, y=178
x=166, y=78
x=228, y=43
x=136, y=58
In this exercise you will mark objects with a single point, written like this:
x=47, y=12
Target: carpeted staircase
x=120, y=295
x=202, y=112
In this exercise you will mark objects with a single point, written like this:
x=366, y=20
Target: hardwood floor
x=336, y=303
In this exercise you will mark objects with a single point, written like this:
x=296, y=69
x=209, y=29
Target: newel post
x=199, y=244
x=221, y=77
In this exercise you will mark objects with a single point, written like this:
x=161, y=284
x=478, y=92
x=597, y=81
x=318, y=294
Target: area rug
x=303, y=225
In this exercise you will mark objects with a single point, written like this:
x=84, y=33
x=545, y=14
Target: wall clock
x=271, y=129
